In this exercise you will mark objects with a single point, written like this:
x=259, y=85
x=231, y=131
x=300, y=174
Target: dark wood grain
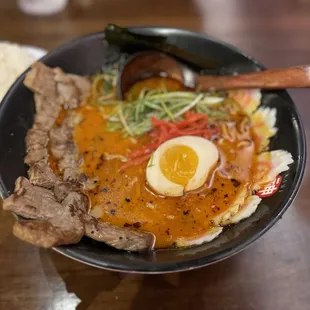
x=292, y=77
x=274, y=273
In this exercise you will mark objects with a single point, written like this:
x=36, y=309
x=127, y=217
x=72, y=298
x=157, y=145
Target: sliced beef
x=61, y=138
x=59, y=150
x=44, y=122
x=31, y=201
x=118, y=237
x=68, y=95
x=55, y=86
x=55, y=208
x=35, y=153
x=40, y=79
x=36, y=136
x=66, y=227
x=43, y=233
x=72, y=174
x=70, y=160
x=40, y=174
x=82, y=84
x=54, y=89
x=62, y=189
x=46, y=106
x=60, y=134
x=50, y=223
x=65, y=150
x=79, y=203
x=71, y=89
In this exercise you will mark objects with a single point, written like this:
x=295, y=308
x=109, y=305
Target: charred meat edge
x=53, y=207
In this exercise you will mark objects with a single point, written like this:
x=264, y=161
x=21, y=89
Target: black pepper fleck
x=186, y=212
x=104, y=190
x=112, y=211
x=235, y=182
x=226, y=195
x=168, y=231
x=136, y=225
x=127, y=199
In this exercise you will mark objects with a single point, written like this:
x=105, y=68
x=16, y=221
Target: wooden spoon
x=152, y=63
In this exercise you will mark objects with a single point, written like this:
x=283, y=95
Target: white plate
x=35, y=52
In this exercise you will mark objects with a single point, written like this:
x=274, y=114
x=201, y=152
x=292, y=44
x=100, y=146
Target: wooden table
x=274, y=273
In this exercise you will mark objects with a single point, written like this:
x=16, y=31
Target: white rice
x=14, y=60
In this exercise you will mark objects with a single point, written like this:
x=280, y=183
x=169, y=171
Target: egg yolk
x=178, y=164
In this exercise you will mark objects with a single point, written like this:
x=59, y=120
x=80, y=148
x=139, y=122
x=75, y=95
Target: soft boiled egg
x=180, y=165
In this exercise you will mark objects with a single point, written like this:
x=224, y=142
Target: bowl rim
x=190, y=264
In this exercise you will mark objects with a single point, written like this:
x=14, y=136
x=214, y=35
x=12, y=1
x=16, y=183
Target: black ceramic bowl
x=86, y=55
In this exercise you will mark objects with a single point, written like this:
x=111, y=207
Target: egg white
x=208, y=156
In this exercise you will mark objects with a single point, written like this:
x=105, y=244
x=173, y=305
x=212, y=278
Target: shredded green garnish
x=167, y=111
x=124, y=122
x=134, y=118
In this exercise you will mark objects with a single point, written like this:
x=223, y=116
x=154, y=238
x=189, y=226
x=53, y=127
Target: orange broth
x=125, y=198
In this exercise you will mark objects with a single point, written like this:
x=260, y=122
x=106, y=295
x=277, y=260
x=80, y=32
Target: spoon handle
x=293, y=77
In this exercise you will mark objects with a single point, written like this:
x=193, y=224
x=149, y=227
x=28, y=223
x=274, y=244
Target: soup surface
x=123, y=197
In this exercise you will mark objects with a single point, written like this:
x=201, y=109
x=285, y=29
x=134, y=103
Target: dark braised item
x=54, y=208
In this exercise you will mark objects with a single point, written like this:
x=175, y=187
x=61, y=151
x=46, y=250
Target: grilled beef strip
x=66, y=227
x=56, y=211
